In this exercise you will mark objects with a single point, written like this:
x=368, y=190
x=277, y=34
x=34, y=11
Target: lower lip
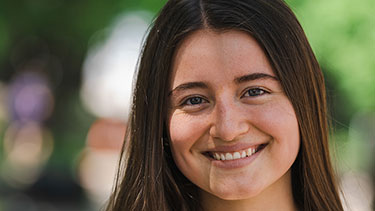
x=237, y=163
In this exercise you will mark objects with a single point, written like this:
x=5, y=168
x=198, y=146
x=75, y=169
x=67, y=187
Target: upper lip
x=233, y=148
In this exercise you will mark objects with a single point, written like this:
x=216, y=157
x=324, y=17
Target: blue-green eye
x=194, y=101
x=254, y=92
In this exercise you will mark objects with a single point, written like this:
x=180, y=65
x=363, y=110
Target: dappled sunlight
x=97, y=163
x=109, y=66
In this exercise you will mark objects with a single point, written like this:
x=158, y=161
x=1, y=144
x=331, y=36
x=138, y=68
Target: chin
x=233, y=194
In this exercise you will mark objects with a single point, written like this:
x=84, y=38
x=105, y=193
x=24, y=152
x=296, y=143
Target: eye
x=254, y=92
x=194, y=101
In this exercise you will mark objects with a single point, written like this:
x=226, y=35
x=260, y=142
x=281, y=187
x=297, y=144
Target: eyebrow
x=189, y=85
x=241, y=79
x=254, y=76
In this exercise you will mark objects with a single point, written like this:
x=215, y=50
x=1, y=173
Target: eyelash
x=201, y=100
x=188, y=102
x=263, y=91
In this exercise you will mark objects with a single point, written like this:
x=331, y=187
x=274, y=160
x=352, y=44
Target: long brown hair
x=148, y=178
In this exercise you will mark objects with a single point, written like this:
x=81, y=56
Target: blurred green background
x=65, y=78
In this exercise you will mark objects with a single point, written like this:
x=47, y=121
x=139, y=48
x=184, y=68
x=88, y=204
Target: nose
x=228, y=122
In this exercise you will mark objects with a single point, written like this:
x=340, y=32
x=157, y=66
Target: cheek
x=185, y=131
x=279, y=120
x=281, y=124
x=185, y=134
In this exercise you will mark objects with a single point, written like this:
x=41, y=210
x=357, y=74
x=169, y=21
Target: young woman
x=229, y=113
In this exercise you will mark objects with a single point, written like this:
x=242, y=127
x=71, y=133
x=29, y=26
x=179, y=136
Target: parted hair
x=148, y=179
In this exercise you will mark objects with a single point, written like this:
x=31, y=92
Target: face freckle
x=233, y=132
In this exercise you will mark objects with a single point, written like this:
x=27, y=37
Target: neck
x=277, y=196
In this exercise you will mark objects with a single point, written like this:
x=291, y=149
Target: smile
x=237, y=154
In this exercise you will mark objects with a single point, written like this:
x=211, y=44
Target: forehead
x=206, y=54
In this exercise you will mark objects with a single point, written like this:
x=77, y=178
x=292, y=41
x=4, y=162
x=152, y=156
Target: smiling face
x=233, y=132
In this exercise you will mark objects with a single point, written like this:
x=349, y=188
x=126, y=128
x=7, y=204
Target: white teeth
x=228, y=156
x=236, y=155
x=222, y=156
x=233, y=156
x=249, y=152
x=217, y=156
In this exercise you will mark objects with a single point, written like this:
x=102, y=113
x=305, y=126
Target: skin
x=212, y=107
